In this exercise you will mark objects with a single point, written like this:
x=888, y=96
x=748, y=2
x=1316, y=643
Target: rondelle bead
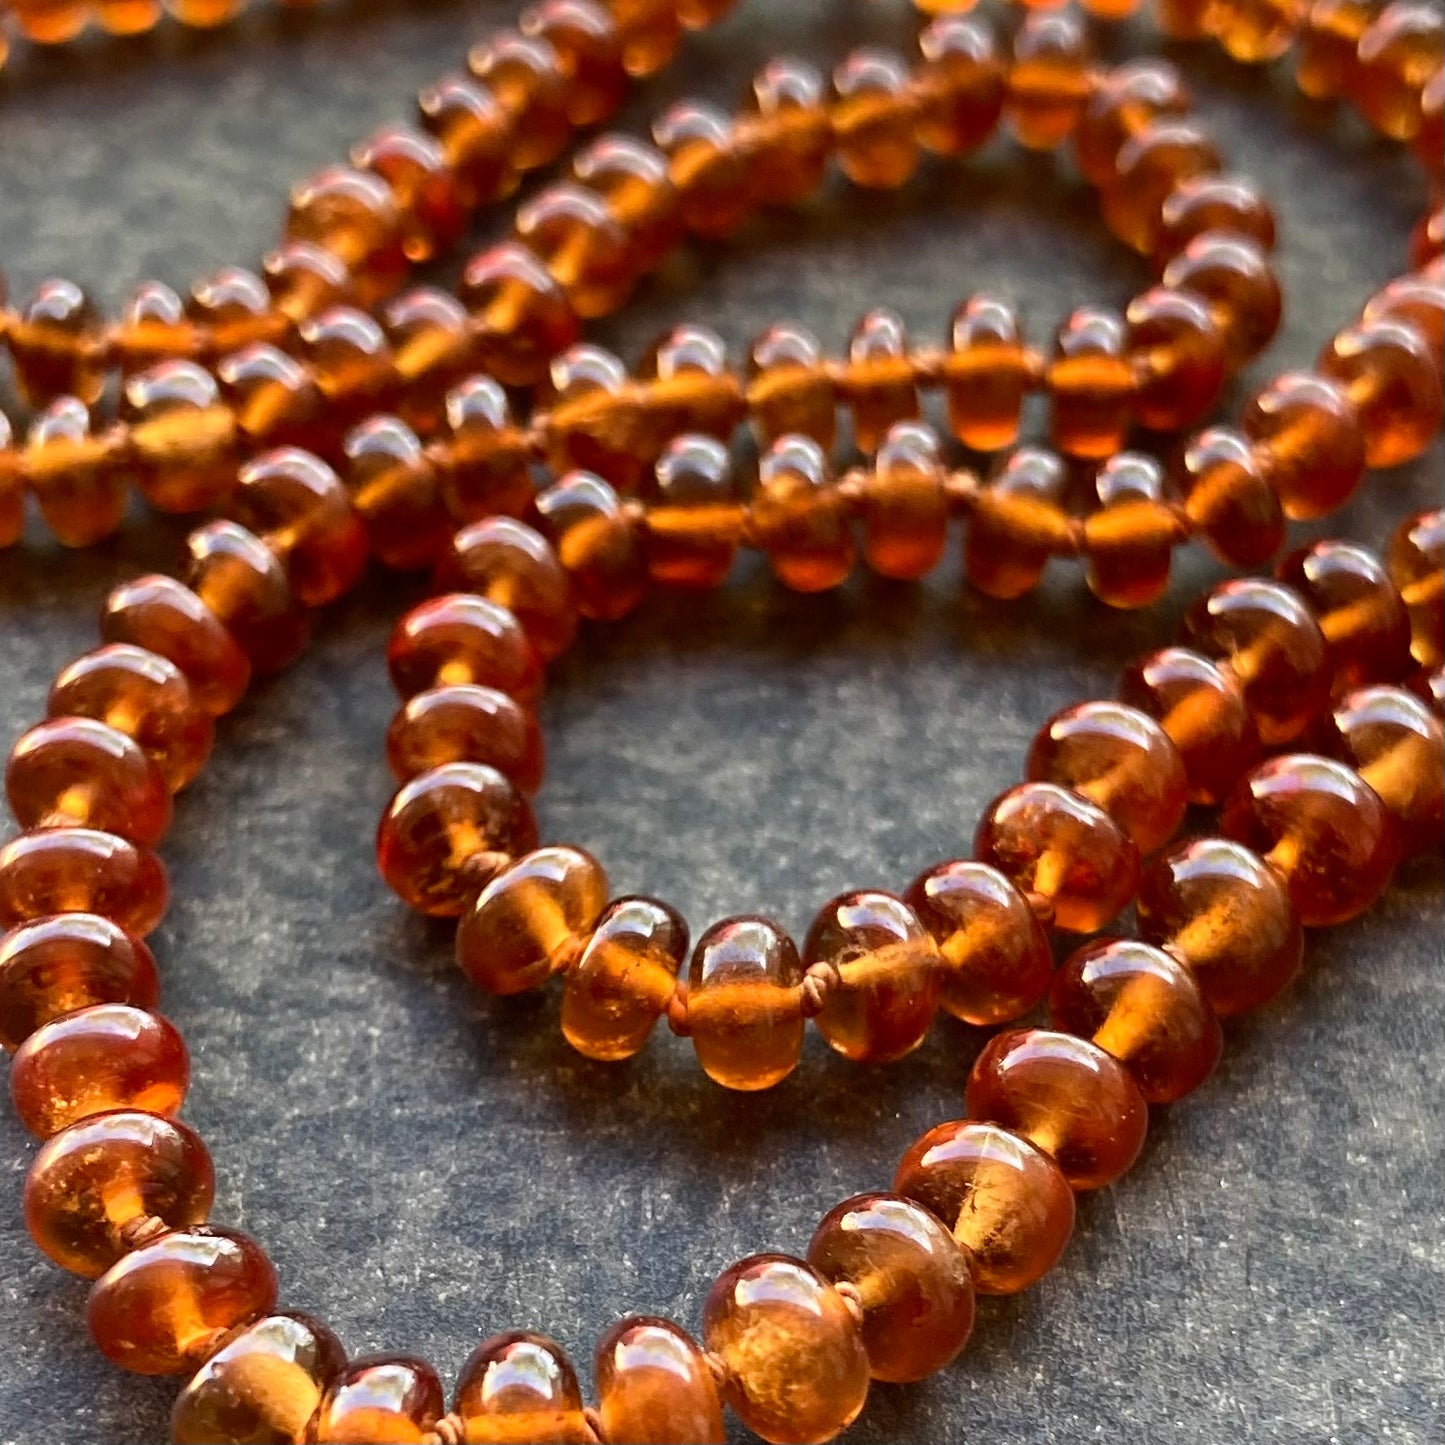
x=1224, y=913
x=958, y=82
x=585, y=39
x=784, y=131
x=885, y=975
x=912, y=1281
x=1308, y=440
x=796, y=1368
x=423, y=188
x=458, y=639
x=80, y=870
x=651, y=32
x=264, y=1383
x=1326, y=53
x=102, y=1173
x=1387, y=371
x=1126, y=101
x=632, y=177
x=1233, y=274
x=520, y=1386
x=429, y=341
x=790, y=388
x=707, y=166
x=465, y=724
x=1228, y=497
x=904, y=506
x=76, y=473
x=1053, y=843
x=874, y=115
x=1253, y=31
x=484, y=457
x=182, y=437
x=1148, y=167
x=275, y=398
x=695, y=520
x=1213, y=203
x=303, y=280
x=1417, y=300
x=1176, y=352
x=379, y=1400
x=1006, y=1202
x=520, y=315
x=744, y=1003
x=154, y=327
x=1129, y=541
x=624, y=978
x=1416, y=563
x=1018, y=522
x=600, y=543
x=581, y=244
x=476, y=136
x=654, y=1386
x=799, y=518
x=688, y=385
x=531, y=920
x=1399, y=51
x=108, y=1056
x=591, y=415
x=352, y=214
x=1323, y=828
x=447, y=832
x=1048, y=80
x=232, y=308
x=396, y=491
x=1067, y=1097
x=165, y=1306
x=879, y=383
x=526, y=76
x=987, y=374
x=56, y=342
x=350, y=358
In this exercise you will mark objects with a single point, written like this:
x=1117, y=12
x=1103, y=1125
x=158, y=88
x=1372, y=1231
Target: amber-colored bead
x=744, y=1003
x=1007, y=1202
x=350, y=359
x=429, y=337
x=531, y=920
x=379, y=1400
x=786, y=137
x=654, y=1385
x=1048, y=80
x=1017, y=524
x=107, y=1056
x=1324, y=830
x=1176, y=351
x=1308, y=441
x=987, y=374
x=12, y=490
x=98, y=1175
x=182, y=437
x=396, y=491
x=265, y=1383
x=1395, y=743
x=1214, y=203
x=796, y=1368
x=275, y=398
x=695, y=520
x=585, y=39
x=707, y=165
x=466, y=724
x=874, y=115
x=904, y=506
x=1091, y=384
x=484, y=458
x=154, y=327
x=1417, y=300
x=447, y=832
x=203, y=14
x=520, y=315
x=80, y=870
x=651, y=31
x=1129, y=542
x=232, y=309
x=1326, y=53
x=599, y=542
x=593, y=417
x=423, y=188
x=1254, y=31
x=1052, y=842
x=352, y=214
x=880, y=383
x=690, y=386
x=1235, y=277
x=166, y=1305
x=460, y=638
x=56, y=341
x=1228, y=497
x=1125, y=102
x=1398, y=53
x=800, y=518
x=790, y=388
x=1429, y=141
x=526, y=76
x=1387, y=370
x=520, y=1386
x=50, y=22
x=303, y=280
x=580, y=243
x=1428, y=684
x=1149, y=165
x=632, y=177
x=78, y=476
x=1416, y=562
x=958, y=85
x=476, y=136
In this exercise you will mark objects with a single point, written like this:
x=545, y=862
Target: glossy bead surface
x=380, y=1400
x=461, y=639
x=475, y=135
x=1233, y=274
x=1048, y=80
x=1129, y=541
x=1147, y=168
x=275, y=398
x=1176, y=350
x=959, y=85
x=785, y=132
x=879, y=382
x=1389, y=374
x=695, y=520
x=80, y=870
x=707, y=167
x=55, y=343
x=987, y=374
x=581, y=244
x=520, y=315
x=585, y=39
x=1229, y=498
x=1416, y=563
x=904, y=506
x=654, y=1386
x=632, y=177
x=1309, y=438
x=75, y=472
x=799, y=517
x=874, y=117
x=1417, y=300
x=790, y=389
x=1214, y=203
x=1327, y=63
x=1253, y=31
x=1126, y=101
x=352, y=214
x=396, y=491
x=520, y=1386
x=483, y=463
x=595, y=418
x=689, y=385
x=465, y=724
x=423, y=187
x=1018, y=522
x=1397, y=55
x=599, y=542
x=182, y=437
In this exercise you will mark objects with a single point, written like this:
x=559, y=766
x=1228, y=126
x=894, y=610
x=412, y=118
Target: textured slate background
x=426, y=1167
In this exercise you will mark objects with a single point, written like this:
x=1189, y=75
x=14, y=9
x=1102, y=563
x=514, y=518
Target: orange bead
x=904, y=507
x=689, y=385
x=1387, y=370
x=350, y=360
x=588, y=46
x=303, y=280
x=1017, y=524
x=79, y=870
x=1254, y=31
x=520, y=315
x=1176, y=350
x=461, y=639
x=423, y=187
x=430, y=351
x=624, y=978
x=78, y=477
x=520, y=1386
x=651, y=31
x=154, y=327
x=1428, y=684
x=880, y=383
x=1048, y=80
x=1005, y=1201
x=582, y=246
x=875, y=119
x=232, y=309
x=107, y=1056
x=484, y=458
x=447, y=832
x=1417, y=300
x=526, y=76
x=56, y=341
x=275, y=398
x=593, y=418
x=531, y=920
x=600, y=543
x=12, y=490
x=1399, y=52
x=476, y=137
x=800, y=518
x=797, y=1371
x=744, y=1003
x=707, y=166
x=654, y=1386
x=265, y=1383
x=50, y=22
x=466, y=724
x=1181, y=19
x=182, y=437
x=396, y=492
x=379, y=1400
x=632, y=177
x=1308, y=441
x=1149, y=165
x=695, y=521
x=1324, y=830
x=912, y=1281
x=1052, y=842
x=958, y=86
x=1091, y=384
x=203, y=14
x=987, y=374
x=1213, y=203
x=102, y=1173
x=1228, y=497
x=167, y=1305
x=1429, y=141
x=1129, y=542
x=1125, y=102
x=352, y=214
x=1234, y=276
x=786, y=133
x=1327, y=61
x=1416, y=562
x=791, y=388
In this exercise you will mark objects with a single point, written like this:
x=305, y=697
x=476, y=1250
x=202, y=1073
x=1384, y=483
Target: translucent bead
x=352, y=214
x=12, y=490
x=1064, y=1095
x=265, y=1383
x=585, y=39
x=875, y=115
x=50, y=22
x=1176, y=351
x=430, y=351
x=1416, y=562
x=54, y=965
x=1148, y=167
x=987, y=374
x=1324, y=830
x=651, y=31
x=594, y=418
x=797, y=1370
x=380, y=1400
x=632, y=177
x=56, y=341
x=880, y=383
x=447, y=832
x=423, y=188
x=460, y=639
x=182, y=437
x=1213, y=203
x=599, y=542
x=1054, y=843
x=1388, y=372
x=1129, y=542
x=350, y=360
x=786, y=133
x=1398, y=53
x=154, y=327
x=1091, y=384
x=526, y=76
x=484, y=458
x=396, y=492
x=1048, y=80
x=1254, y=31
x=1428, y=684
x=1228, y=497
x=1429, y=142
x=92, y=1179
x=904, y=506
x=1326, y=63
x=690, y=386
x=520, y=1386
x=79, y=870
x=791, y=389
x=1234, y=276
x=1308, y=441
x=654, y=1386
x=744, y=1003
x=695, y=520
x=1017, y=524
x=1273, y=647
x=275, y=398
x=799, y=518
x=531, y=920
x=707, y=166
x=303, y=280
x=232, y=309
x=1126, y=101
x=476, y=136
x=203, y=14
x=77, y=475
x=582, y=246
x=108, y=1056
x=466, y=724
x=1418, y=301
x=912, y=1281
x=958, y=85
x=624, y=978
x=520, y=315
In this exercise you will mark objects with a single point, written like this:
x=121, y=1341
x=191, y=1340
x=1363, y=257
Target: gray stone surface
x=427, y=1167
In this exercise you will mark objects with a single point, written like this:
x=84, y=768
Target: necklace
x=1275, y=655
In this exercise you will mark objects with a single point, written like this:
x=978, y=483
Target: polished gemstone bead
x=1398, y=53
x=1229, y=498
x=1273, y=646
x=912, y=1281
x=689, y=385
x=1254, y=31
x=1048, y=80
x=1053, y=843
x=790, y=387
x=1427, y=242
x=588, y=46
x=958, y=85
x=1429, y=141
x=107, y=1056
x=875, y=119
x=232, y=308
x=987, y=374
x=396, y=492
x=594, y=418
x=1322, y=827
x=1149, y=165
x=50, y=22
x=654, y=1386
x=1428, y=684
x=520, y=1386
x=1416, y=563
x=164, y=1307
x=429, y=343
x=1234, y=276
x=1129, y=542
x=1176, y=351
x=1225, y=914
x=460, y=639
x=154, y=327
x=526, y=76
x=447, y=832
x=785, y=132
x=531, y=920
x=80, y=870
x=484, y=457
x=379, y=1400
x=423, y=187
x=1308, y=440
x=1326, y=53
x=800, y=518
x=203, y=14
x=1213, y=203
x=12, y=489
x=275, y=398
x=520, y=315
x=78, y=475
x=744, y=1003
x=351, y=213
x=56, y=342
x=1091, y=384
x=695, y=520
x=797, y=1370
x=707, y=166
x=1181, y=19
x=1417, y=300
x=303, y=280
x=350, y=360
x=476, y=136
x=107, y=1171
x=1126, y=101
x=264, y=1383
x=632, y=177
x=904, y=507
x=463, y=723
x=1064, y=1095
x=624, y=978
x=1394, y=742
x=1017, y=524
x=879, y=383
x=182, y=437
x=600, y=543
x=581, y=244
x=1387, y=371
